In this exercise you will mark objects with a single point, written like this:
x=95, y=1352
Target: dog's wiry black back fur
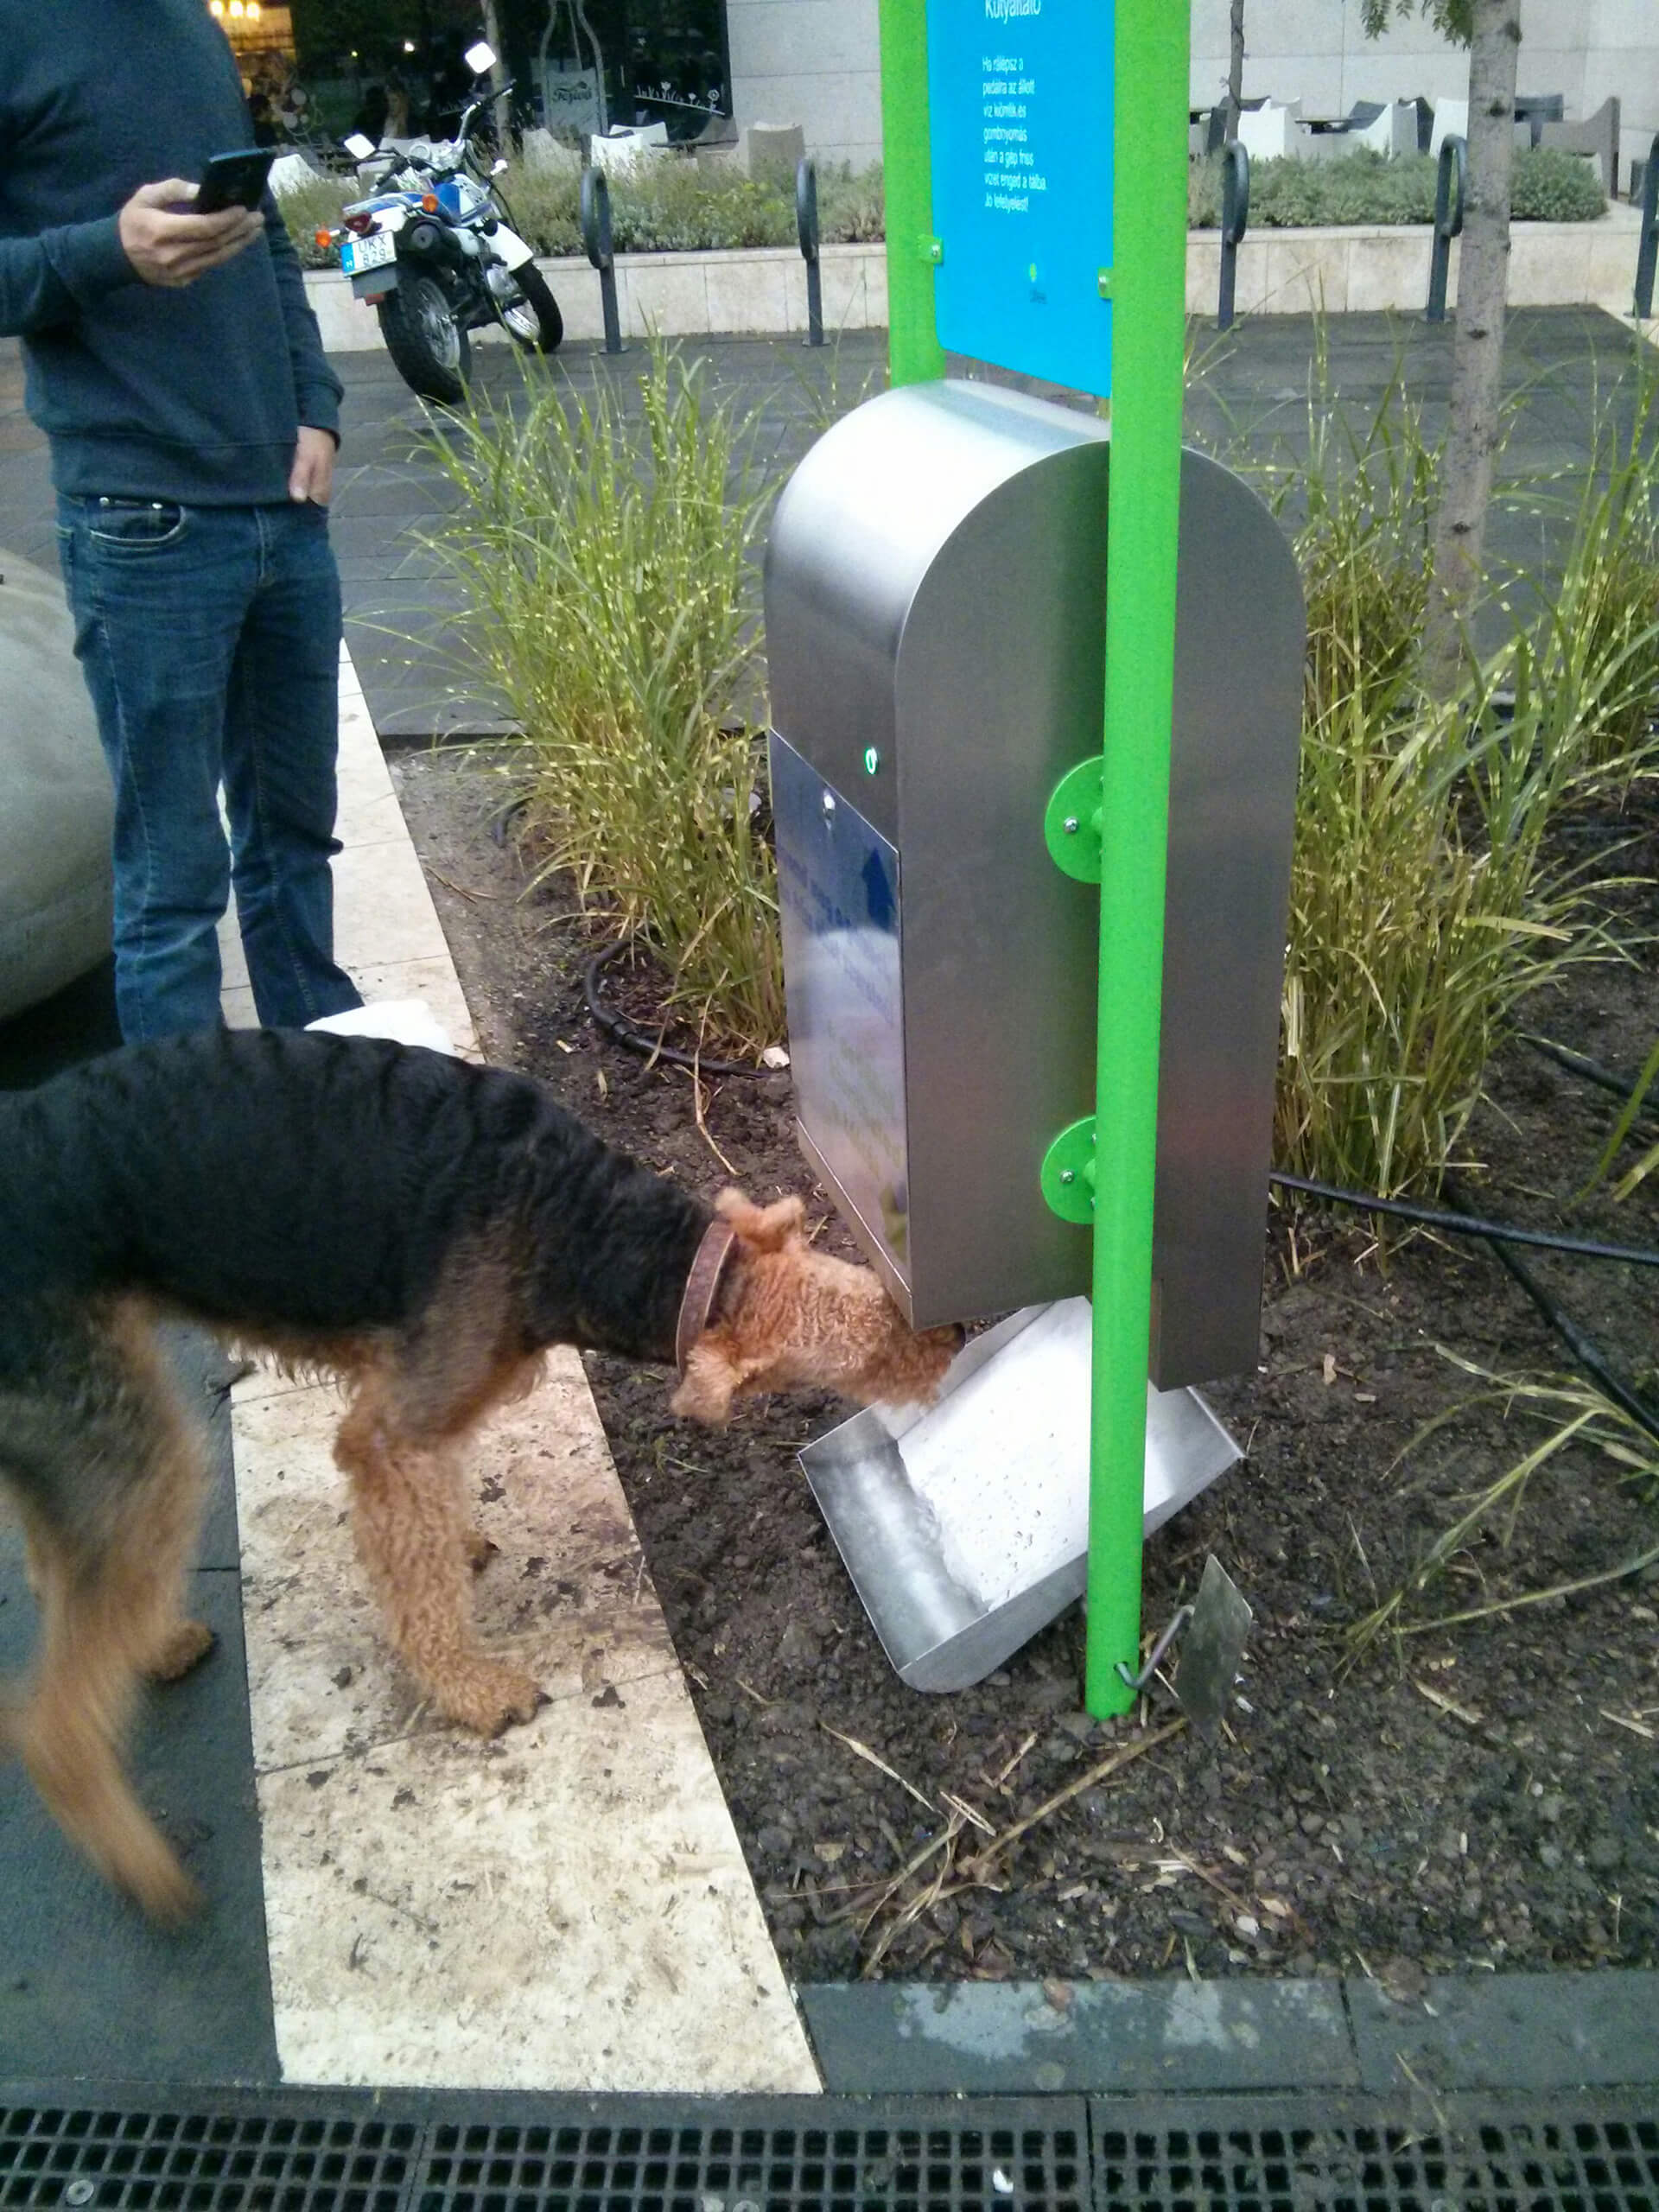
x=293, y=1184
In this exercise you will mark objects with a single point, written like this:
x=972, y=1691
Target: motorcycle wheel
x=427, y=346
x=533, y=320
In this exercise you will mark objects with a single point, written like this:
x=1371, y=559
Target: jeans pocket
x=134, y=525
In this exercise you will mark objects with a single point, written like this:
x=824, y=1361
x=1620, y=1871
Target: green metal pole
x=914, y=354
x=1148, y=337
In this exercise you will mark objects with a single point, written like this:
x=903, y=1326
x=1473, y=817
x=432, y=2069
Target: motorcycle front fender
x=510, y=247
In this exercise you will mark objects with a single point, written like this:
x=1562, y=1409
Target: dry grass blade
x=979, y=1868
x=1470, y=1718
x=952, y=1875
x=1625, y=1720
x=702, y=1125
x=1178, y=1859
x=998, y=1780
x=874, y=1760
x=943, y=1847
x=971, y=1813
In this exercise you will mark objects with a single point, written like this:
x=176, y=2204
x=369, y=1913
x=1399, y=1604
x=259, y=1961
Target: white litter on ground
x=405, y=1021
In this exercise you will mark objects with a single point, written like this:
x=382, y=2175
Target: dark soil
x=1481, y=1796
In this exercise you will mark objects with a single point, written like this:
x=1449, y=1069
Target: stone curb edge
x=1523, y=2032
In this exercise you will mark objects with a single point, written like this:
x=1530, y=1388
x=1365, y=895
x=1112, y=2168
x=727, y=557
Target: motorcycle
x=433, y=248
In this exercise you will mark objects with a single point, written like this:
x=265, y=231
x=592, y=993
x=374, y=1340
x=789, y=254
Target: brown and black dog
x=418, y=1227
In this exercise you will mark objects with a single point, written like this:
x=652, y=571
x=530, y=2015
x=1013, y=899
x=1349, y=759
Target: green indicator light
x=872, y=759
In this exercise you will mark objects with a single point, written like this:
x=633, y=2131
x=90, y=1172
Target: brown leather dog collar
x=703, y=1287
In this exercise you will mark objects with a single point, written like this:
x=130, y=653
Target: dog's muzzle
x=702, y=1288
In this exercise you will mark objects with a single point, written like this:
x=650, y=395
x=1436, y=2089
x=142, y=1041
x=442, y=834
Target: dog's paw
x=143, y=1865
x=185, y=1645
x=477, y=1549
x=490, y=1699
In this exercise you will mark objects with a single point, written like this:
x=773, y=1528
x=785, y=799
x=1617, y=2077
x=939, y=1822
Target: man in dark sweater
x=176, y=369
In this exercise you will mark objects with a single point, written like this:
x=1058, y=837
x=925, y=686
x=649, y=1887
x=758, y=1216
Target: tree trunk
x=500, y=105
x=1235, y=67
x=1478, y=345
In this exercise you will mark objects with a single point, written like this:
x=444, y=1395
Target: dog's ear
x=763, y=1228
x=713, y=1378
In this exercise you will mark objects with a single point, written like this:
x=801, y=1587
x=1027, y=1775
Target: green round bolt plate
x=1068, y=1173
x=1071, y=822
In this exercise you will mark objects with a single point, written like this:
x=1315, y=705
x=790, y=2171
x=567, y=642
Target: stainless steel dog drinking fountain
x=935, y=607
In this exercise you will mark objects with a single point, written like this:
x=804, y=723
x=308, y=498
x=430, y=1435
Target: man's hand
x=312, y=476
x=168, y=248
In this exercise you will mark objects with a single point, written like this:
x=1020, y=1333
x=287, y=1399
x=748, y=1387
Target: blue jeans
x=210, y=641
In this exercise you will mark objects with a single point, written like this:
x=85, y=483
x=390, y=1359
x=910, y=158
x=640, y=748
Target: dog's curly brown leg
x=411, y=1531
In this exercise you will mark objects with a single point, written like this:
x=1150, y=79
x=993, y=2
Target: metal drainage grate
x=445, y=2152
x=957, y=2167
x=179, y=2161
x=1458, y=2159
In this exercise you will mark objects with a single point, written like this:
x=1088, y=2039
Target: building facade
x=816, y=62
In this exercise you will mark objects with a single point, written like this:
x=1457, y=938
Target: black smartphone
x=233, y=180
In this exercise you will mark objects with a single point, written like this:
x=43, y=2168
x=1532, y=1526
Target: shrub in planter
x=669, y=205
x=673, y=206
x=314, y=208
x=1548, y=185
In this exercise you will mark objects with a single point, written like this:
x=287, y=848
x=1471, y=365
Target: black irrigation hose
x=1580, y=1063
x=636, y=1039
x=1467, y=1224
x=1579, y=1344
x=1589, y=1357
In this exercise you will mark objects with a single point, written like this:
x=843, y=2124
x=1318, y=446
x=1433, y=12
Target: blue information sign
x=1019, y=98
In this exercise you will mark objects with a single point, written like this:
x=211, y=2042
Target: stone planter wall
x=1279, y=272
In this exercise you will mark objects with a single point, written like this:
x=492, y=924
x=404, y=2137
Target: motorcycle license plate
x=358, y=254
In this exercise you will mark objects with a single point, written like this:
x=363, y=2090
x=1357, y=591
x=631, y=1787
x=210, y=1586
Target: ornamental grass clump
x=1425, y=908
x=1599, y=645
x=607, y=569
x=1427, y=900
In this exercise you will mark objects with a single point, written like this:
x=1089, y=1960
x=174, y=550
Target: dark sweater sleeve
x=316, y=387
x=44, y=281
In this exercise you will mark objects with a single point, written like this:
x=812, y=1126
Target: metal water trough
x=966, y=1526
